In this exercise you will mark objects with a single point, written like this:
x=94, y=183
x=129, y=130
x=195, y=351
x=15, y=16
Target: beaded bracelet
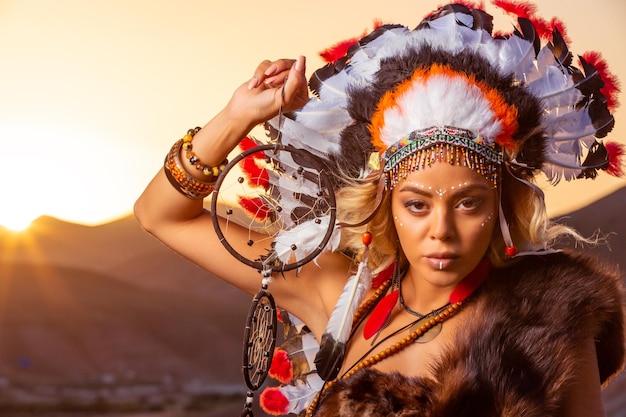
x=211, y=172
x=178, y=176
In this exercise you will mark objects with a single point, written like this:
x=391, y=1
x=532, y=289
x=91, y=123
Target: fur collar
x=516, y=359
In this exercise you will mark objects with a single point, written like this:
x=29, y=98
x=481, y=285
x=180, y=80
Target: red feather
x=528, y=11
x=255, y=207
x=274, y=402
x=257, y=176
x=281, y=368
x=380, y=314
x=611, y=83
x=516, y=8
x=247, y=143
x=383, y=276
x=616, y=153
x=340, y=49
x=472, y=281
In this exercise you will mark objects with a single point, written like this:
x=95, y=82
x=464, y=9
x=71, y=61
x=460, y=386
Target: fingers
x=271, y=74
x=296, y=92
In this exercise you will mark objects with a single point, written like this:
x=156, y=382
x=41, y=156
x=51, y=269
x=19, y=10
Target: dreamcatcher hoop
x=312, y=164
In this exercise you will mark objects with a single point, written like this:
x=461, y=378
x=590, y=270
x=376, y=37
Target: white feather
x=310, y=346
x=301, y=394
x=340, y=322
x=516, y=56
x=436, y=103
x=307, y=238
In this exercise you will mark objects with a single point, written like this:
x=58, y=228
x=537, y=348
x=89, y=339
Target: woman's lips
x=440, y=261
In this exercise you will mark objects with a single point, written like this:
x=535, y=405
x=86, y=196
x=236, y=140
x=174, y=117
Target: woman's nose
x=442, y=226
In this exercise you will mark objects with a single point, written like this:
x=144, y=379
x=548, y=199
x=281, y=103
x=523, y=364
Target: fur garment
x=516, y=360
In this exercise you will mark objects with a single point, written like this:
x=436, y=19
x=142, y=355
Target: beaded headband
x=455, y=146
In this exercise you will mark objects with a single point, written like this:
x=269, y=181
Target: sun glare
x=16, y=224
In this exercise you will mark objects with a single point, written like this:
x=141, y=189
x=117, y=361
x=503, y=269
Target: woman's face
x=444, y=216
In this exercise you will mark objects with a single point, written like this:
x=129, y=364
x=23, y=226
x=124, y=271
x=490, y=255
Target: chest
x=397, y=349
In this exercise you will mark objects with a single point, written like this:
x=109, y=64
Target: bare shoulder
x=314, y=291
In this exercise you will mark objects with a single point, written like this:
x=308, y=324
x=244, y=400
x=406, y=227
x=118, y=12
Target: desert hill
x=70, y=325
x=107, y=313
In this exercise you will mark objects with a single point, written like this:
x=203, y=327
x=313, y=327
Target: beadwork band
x=178, y=176
x=422, y=148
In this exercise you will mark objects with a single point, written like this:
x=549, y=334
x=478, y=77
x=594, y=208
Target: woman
x=470, y=311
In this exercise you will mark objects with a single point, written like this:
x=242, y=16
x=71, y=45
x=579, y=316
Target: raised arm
x=182, y=223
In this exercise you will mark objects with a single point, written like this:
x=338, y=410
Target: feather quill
x=332, y=348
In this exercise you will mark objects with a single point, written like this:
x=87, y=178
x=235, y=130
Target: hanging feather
x=333, y=345
x=281, y=368
x=291, y=324
x=290, y=399
x=380, y=314
x=294, y=359
x=471, y=282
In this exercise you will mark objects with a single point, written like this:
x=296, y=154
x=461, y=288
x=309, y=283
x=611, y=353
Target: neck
x=422, y=296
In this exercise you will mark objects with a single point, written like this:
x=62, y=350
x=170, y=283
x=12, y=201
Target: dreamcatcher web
x=284, y=200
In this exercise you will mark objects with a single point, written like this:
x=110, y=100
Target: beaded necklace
x=429, y=321
x=423, y=324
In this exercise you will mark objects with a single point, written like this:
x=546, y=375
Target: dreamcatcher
x=283, y=198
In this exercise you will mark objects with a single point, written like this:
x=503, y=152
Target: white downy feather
x=307, y=237
x=301, y=394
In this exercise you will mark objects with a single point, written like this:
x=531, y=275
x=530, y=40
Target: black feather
x=329, y=358
x=559, y=49
x=528, y=32
x=597, y=158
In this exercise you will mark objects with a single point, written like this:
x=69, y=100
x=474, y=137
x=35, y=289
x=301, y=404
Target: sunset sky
x=94, y=92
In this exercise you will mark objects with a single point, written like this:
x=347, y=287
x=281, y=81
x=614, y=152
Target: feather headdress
x=514, y=98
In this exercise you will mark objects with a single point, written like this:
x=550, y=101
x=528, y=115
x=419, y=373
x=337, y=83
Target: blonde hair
x=523, y=206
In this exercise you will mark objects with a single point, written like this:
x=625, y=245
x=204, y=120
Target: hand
x=274, y=83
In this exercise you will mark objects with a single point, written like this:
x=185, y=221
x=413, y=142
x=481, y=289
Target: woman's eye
x=469, y=203
x=416, y=206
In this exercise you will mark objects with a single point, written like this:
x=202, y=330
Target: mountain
x=97, y=305
x=108, y=313
x=65, y=324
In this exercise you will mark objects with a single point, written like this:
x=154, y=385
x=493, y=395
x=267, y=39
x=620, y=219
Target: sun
x=15, y=218
x=17, y=225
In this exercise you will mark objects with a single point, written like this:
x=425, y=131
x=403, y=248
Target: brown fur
x=516, y=360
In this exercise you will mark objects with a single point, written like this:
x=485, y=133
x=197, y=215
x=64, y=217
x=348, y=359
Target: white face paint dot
x=487, y=220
